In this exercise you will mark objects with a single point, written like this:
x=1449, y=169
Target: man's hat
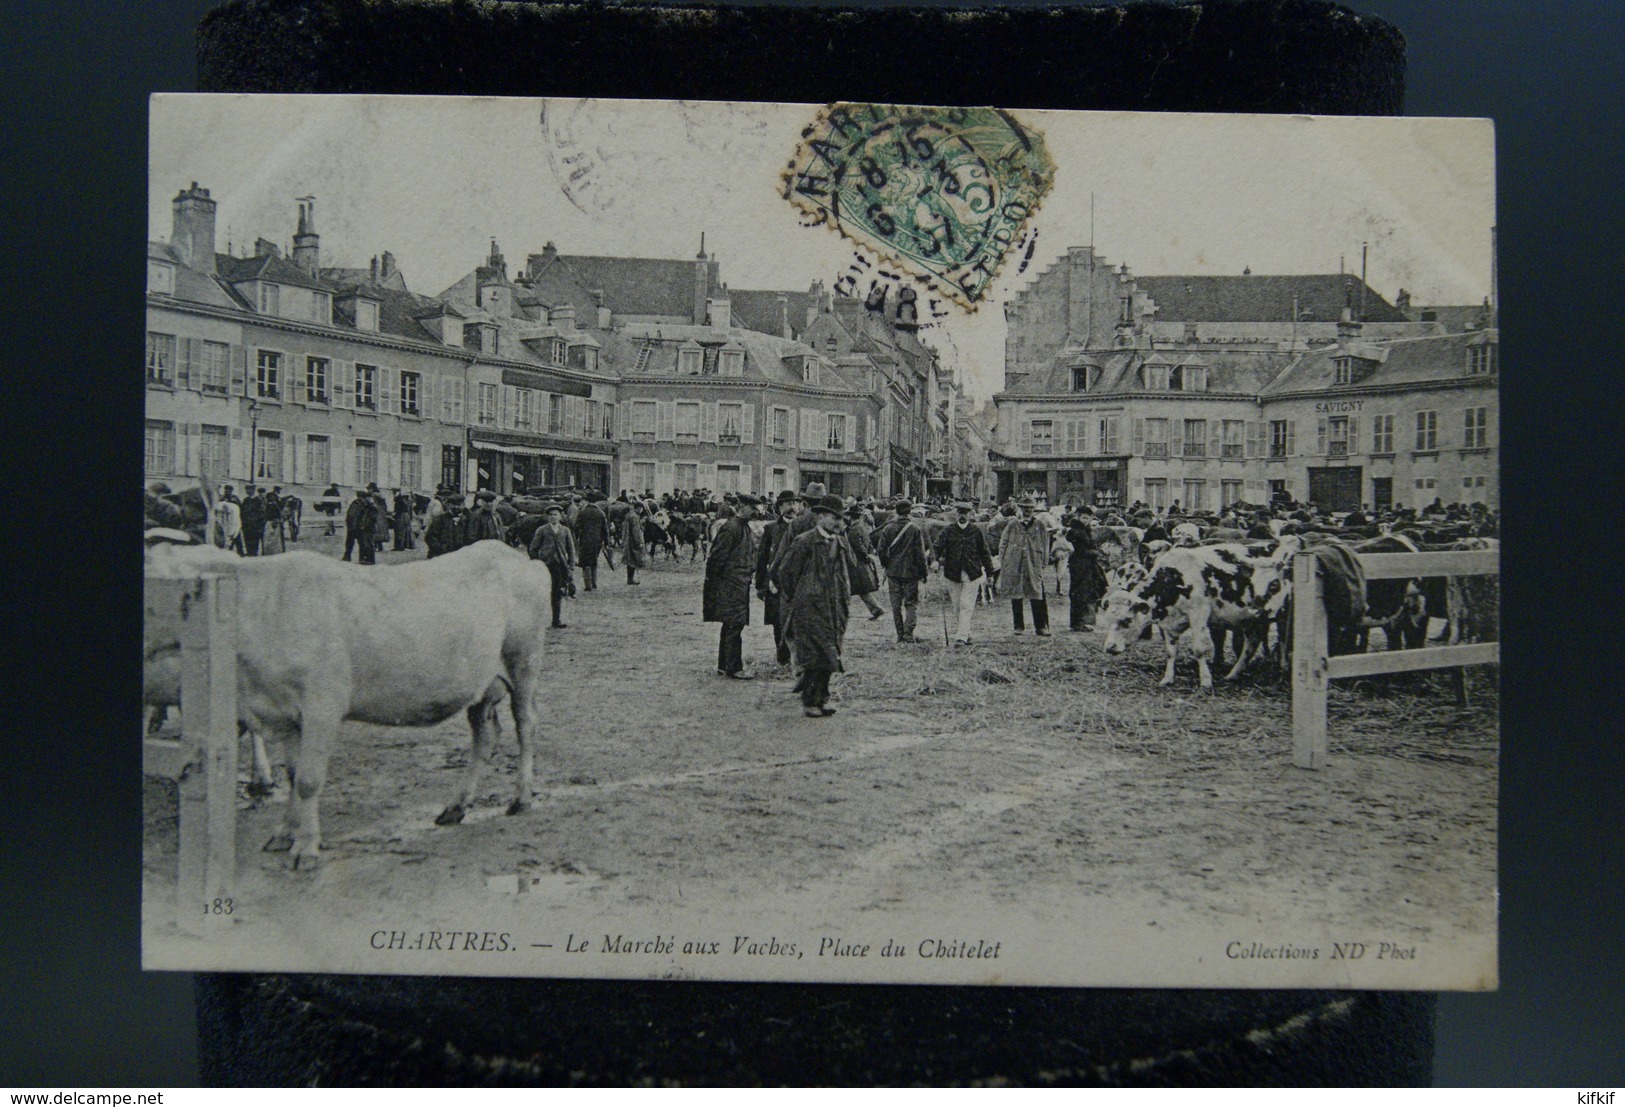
x=788, y=496
x=855, y=511
x=1027, y=501
x=485, y=494
x=747, y=498
x=903, y=507
x=964, y=505
x=831, y=504
x=814, y=490
x=372, y=486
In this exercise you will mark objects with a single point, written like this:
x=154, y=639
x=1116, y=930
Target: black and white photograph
x=820, y=542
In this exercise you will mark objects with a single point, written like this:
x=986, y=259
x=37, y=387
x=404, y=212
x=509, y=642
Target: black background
x=75, y=1010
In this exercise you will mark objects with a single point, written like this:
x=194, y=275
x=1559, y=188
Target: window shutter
x=871, y=441
x=1291, y=439
x=386, y=391
x=389, y=466
x=792, y=428
x=708, y=423
x=294, y=461
x=505, y=405
x=341, y=454
x=186, y=373
x=237, y=465
x=1320, y=435
x=821, y=423
x=708, y=475
x=747, y=425
x=190, y=463
x=809, y=430
x=665, y=420
x=1176, y=437
x=623, y=413
x=1354, y=434
x=665, y=480
x=1025, y=427
x=448, y=409
x=582, y=430
x=239, y=371
x=1139, y=437
x=343, y=384
x=293, y=386
x=1255, y=439
x=744, y=476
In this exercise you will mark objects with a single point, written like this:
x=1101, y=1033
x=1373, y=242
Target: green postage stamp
x=941, y=192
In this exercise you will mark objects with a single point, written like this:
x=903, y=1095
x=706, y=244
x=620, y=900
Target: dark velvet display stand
x=1255, y=56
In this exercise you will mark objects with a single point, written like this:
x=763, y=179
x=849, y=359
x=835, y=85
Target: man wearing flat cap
x=962, y=551
x=728, y=572
x=903, y=552
x=554, y=546
x=480, y=521
x=814, y=580
x=865, y=581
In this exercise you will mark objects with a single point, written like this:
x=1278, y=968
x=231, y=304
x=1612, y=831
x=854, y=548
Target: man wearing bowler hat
x=775, y=536
x=728, y=572
x=813, y=577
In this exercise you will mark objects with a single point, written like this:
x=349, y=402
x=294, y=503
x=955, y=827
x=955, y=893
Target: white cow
x=323, y=641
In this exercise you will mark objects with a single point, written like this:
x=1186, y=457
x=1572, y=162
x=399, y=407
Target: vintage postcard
x=820, y=542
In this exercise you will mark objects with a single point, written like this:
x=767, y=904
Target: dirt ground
x=1021, y=775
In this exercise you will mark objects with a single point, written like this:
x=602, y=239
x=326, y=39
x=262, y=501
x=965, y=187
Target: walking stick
x=947, y=595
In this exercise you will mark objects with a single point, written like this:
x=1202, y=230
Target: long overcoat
x=1023, y=553
x=636, y=556
x=479, y=524
x=774, y=536
x=592, y=531
x=1086, y=577
x=728, y=572
x=816, y=586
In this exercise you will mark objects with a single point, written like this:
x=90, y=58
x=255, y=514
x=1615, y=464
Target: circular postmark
x=943, y=193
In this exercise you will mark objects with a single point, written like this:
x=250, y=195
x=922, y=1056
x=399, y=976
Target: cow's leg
x=1171, y=642
x=1245, y=652
x=263, y=782
x=1200, y=644
x=289, y=739
x=482, y=721
x=525, y=697
x=317, y=732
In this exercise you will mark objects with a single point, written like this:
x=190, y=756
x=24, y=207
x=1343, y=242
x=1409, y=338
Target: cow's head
x=1126, y=615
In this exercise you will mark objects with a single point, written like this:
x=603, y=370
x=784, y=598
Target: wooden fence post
x=1309, y=663
x=208, y=786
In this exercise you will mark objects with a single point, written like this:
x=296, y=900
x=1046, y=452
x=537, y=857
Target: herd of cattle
x=322, y=642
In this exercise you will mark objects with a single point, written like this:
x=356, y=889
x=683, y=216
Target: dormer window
x=366, y=315
x=556, y=351
x=1156, y=377
x=1342, y=370
x=270, y=299
x=1193, y=378
x=321, y=307
x=1085, y=377
x=733, y=363
x=809, y=370
x=1481, y=359
x=690, y=360
x=160, y=278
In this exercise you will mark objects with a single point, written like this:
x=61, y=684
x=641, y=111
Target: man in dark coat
x=554, y=546
x=359, y=522
x=728, y=572
x=403, y=521
x=253, y=514
x=480, y=522
x=864, y=582
x=633, y=551
x=774, y=537
x=273, y=513
x=902, y=549
x=444, y=532
x=592, y=537
x=1086, y=580
x=961, y=549
x=816, y=588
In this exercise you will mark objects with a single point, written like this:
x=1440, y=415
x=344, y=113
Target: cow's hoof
x=451, y=816
x=518, y=807
x=258, y=790
x=278, y=843
x=1165, y=683
x=305, y=857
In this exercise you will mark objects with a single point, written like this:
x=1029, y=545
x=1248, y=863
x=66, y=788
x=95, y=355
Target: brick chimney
x=782, y=315
x=306, y=242
x=1348, y=328
x=563, y=318
x=386, y=266
x=702, y=283
x=719, y=312
x=265, y=248
x=193, y=233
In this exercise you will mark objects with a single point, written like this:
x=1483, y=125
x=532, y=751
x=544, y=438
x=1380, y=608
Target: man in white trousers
x=962, y=552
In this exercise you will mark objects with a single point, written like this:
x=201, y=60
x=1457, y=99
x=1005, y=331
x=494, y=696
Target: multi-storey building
x=1397, y=423
x=731, y=409
x=264, y=369
x=540, y=403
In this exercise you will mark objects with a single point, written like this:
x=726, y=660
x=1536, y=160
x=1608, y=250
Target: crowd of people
x=814, y=551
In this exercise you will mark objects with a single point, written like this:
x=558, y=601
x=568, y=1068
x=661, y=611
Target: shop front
x=839, y=478
x=514, y=464
x=1097, y=482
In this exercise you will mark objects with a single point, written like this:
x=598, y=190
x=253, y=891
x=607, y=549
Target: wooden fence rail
x=1313, y=667
x=202, y=613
